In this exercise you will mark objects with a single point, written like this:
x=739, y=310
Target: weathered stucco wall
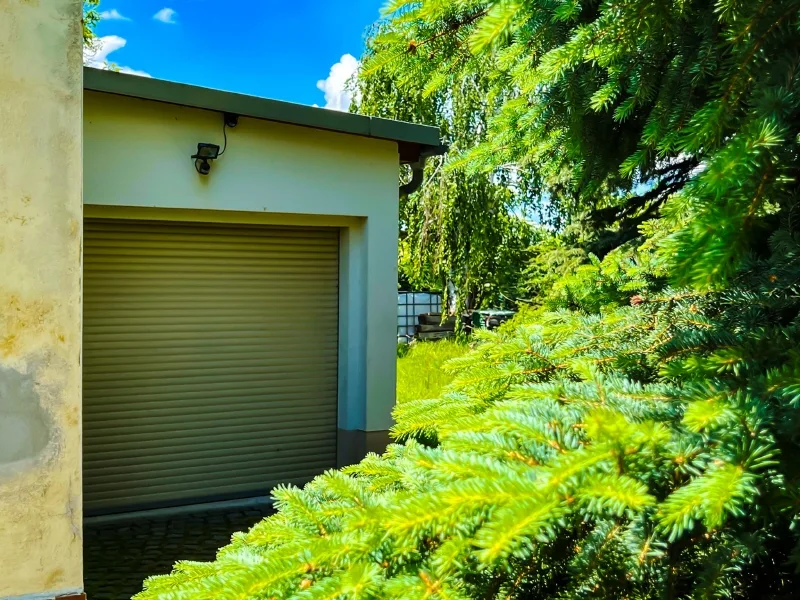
x=40, y=267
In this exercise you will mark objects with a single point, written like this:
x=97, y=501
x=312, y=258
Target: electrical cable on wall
x=208, y=152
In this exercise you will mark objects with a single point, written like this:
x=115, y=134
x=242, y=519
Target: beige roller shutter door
x=210, y=360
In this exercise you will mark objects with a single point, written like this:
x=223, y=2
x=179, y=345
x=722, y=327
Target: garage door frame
x=352, y=441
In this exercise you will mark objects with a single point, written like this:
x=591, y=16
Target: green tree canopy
x=605, y=110
x=463, y=226
x=90, y=19
x=636, y=436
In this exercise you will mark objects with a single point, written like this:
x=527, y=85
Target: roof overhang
x=414, y=141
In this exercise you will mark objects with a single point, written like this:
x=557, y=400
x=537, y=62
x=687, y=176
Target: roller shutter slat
x=238, y=487
x=172, y=490
x=194, y=479
x=121, y=453
x=210, y=360
x=219, y=383
x=245, y=391
x=145, y=456
x=147, y=359
x=281, y=402
x=146, y=452
x=201, y=465
x=212, y=427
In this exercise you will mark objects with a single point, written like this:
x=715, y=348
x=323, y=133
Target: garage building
x=239, y=324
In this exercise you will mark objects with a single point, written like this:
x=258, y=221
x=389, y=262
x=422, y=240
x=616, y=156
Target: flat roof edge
x=259, y=108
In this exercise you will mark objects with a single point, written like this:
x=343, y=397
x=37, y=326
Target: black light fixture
x=205, y=153
x=208, y=152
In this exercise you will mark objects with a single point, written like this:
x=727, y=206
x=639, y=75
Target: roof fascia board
x=259, y=108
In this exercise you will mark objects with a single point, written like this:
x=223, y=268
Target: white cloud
x=339, y=84
x=97, y=55
x=113, y=15
x=130, y=71
x=166, y=15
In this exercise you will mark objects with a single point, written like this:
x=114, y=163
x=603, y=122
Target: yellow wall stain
x=8, y=344
x=54, y=578
x=21, y=320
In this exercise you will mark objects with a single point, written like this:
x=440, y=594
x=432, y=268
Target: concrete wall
x=40, y=267
x=138, y=166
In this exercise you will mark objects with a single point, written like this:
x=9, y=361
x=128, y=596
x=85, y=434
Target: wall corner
x=41, y=90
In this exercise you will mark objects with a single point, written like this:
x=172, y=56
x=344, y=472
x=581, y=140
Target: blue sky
x=270, y=48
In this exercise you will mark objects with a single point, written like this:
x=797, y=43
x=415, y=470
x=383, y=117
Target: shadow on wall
x=24, y=425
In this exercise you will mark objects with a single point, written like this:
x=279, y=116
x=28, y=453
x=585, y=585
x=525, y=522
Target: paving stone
x=119, y=556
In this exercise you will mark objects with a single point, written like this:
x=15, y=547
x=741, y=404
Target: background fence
x=412, y=304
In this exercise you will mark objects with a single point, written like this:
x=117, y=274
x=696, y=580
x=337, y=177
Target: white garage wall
x=137, y=161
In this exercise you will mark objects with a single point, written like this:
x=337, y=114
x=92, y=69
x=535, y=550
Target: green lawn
x=419, y=373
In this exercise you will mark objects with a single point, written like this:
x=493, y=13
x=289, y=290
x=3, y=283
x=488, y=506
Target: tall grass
x=419, y=372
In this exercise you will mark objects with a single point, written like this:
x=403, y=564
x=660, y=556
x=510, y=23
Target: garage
x=210, y=360
x=202, y=302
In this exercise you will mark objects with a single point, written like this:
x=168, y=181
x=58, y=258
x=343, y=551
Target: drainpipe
x=418, y=168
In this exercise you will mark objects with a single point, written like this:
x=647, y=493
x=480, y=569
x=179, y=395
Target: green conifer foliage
x=637, y=435
x=608, y=109
x=638, y=450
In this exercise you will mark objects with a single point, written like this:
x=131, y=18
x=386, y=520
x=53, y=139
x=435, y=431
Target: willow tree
x=468, y=227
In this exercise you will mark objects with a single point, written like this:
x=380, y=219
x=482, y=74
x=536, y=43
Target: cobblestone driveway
x=119, y=556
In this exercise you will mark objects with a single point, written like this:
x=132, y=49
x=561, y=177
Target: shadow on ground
x=118, y=556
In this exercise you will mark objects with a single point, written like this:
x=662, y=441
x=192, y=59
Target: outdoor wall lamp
x=208, y=152
x=205, y=153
